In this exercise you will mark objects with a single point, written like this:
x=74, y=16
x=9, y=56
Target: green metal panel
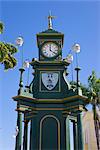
x=80, y=132
x=47, y=123
x=75, y=135
x=25, y=137
x=61, y=90
x=49, y=138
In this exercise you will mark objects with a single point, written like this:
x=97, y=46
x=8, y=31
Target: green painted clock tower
x=49, y=103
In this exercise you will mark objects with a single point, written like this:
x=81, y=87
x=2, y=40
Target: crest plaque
x=50, y=79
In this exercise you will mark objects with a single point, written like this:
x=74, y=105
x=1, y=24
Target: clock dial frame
x=50, y=50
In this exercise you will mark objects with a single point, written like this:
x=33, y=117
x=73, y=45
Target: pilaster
x=25, y=137
x=67, y=134
x=19, y=135
x=80, y=132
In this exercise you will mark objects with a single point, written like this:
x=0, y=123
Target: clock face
x=50, y=49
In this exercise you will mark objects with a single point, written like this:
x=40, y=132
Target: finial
x=77, y=80
x=50, y=17
x=21, y=81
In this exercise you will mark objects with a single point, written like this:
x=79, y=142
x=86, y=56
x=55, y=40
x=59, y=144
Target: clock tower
x=50, y=103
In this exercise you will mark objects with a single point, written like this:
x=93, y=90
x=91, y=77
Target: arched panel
x=49, y=133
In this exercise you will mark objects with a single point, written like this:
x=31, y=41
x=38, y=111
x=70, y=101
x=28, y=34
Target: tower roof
x=50, y=31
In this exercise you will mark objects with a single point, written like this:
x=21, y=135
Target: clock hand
x=52, y=51
x=50, y=47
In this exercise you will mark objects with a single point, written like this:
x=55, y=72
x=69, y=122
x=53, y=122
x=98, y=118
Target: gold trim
x=37, y=109
x=30, y=116
x=24, y=97
x=62, y=100
x=49, y=62
x=56, y=62
x=49, y=69
x=58, y=124
x=50, y=100
x=52, y=89
x=72, y=106
x=75, y=96
x=50, y=109
x=44, y=33
x=36, y=100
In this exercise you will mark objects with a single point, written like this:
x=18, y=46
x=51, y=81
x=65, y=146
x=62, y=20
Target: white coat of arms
x=50, y=79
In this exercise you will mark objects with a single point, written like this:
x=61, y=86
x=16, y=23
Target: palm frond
x=1, y=27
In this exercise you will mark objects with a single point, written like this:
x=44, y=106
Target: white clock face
x=50, y=49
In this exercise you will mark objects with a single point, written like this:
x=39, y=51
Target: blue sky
x=80, y=23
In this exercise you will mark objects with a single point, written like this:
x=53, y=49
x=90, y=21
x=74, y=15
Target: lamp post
x=19, y=42
x=76, y=49
x=26, y=64
x=69, y=59
x=18, y=145
x=77, y=69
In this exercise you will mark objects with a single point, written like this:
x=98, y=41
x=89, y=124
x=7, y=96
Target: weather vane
x=50, y=17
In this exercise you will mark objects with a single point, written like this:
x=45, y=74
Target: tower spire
x=50, y=17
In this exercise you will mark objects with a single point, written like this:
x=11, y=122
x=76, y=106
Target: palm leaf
x=1, y=27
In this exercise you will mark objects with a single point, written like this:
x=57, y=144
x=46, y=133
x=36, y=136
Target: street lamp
x=69, y=58
x=19, y=42
x=76, y=49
